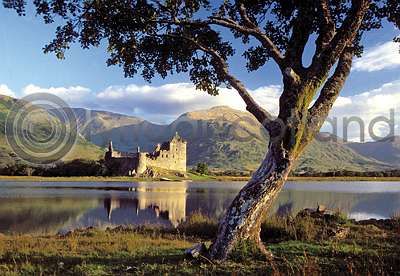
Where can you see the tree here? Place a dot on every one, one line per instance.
(202, 168)
(161, 37)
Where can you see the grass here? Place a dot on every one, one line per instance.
(198, 225)
(367, 249)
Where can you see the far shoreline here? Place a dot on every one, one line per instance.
(191, 178)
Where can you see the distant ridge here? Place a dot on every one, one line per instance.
(215, 136)
(386, 150)
(224, 138)
(95, 121)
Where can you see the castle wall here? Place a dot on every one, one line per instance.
(172, 159)
(142, 163)
(121, 165)
(171, 156)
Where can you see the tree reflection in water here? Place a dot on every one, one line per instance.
(166, 204)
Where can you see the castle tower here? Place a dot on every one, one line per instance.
(109, 154)
(141, 163)
(179, 145)
(110, 146)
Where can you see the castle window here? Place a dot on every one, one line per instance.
(167, 155)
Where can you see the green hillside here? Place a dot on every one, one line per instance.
(83, 149)
(228, 139)
(224, 138)
(386, 150)
(337, 156)
(91, 122)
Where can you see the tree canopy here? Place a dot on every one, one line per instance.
(172, 36)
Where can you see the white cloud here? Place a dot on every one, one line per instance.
(75, 96)
(159, 104)
(342, 101)
(384, 56)
(5, 90)
(164, 103)
(368, 106)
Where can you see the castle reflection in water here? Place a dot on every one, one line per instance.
(48, 210)
(161, 207)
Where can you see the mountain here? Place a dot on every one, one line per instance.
(222, 137)
(41, 123)
(229, 139)
(214, 136)
(324, 155)
(91, 122)
(386, 150)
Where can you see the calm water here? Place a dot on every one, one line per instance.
(57, 207)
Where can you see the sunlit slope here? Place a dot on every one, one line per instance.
(229, 139)
(224, 138)
(336, 155)
(83, 149)
(91, 122)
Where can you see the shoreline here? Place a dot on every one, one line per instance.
(190, 179)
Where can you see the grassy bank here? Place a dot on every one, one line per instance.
(301, 245)
(191, 177)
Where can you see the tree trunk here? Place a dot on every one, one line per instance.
(242, 220)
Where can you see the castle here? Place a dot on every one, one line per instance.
(144, 208)
(169, 155)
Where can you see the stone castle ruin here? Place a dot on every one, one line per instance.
(169, 155)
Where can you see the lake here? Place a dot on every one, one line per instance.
(57, 207)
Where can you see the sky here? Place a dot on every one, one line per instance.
(84, 80)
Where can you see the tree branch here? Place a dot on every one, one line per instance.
(322, 62)
(262, 37)
(243, 14)
(256, 33)
(249, 28)
(263, 116)
(330, 91)
(327, 27)
(251, 105)
(301, 32)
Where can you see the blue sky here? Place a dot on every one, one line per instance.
(84, 80)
